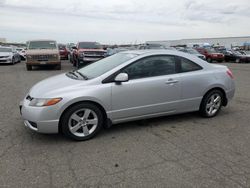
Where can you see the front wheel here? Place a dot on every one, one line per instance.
(58, 67)
(28, 67)
(82, 121)
(211, 103)
(209, 60)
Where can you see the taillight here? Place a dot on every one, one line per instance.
(230, 74)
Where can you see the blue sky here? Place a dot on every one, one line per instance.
(122, 21)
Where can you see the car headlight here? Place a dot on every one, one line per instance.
(29, 56)
(55, 55)
(81, 54)
(44, 102)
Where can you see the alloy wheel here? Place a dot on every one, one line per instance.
(83, 122)
(213, 104)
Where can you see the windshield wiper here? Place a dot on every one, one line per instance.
(82, 75)
(73, 73)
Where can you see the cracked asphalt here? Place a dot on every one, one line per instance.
(175, 151)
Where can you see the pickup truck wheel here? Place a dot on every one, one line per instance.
(209, 60)
(29, 67)
(58, 67)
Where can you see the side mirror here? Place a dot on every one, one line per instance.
(122, 77)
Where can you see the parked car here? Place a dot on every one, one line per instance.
(87, 52)
(211, 55)
(236, 56)
(193, 51)
(126, 86)
(9, 55)
(42, 52)
(64, 53)
(22, 53)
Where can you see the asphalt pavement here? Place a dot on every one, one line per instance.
(176, 151)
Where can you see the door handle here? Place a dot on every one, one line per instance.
(171, 81)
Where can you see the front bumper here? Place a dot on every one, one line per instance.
(39, 119)
(5, 60)
(38, 63)
(90, 59)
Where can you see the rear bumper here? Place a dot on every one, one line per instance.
(230, 94)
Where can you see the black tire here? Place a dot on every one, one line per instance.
(58, 67)
(13, 61)
(28, 67)
(64, 123)
(209, 60)
(205, 101)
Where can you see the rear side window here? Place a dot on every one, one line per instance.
(151, 66)
(188, 66)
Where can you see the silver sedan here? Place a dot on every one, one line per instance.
(124, 87)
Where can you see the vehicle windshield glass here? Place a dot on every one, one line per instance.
(61, 47)
(236, 52)
(104, 65)
(89, 45)
(155, 46)
(211, 50)
(5, 49)
(42, 45)
(192, 51)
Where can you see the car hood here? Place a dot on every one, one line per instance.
(55, 86)
(42, 51)
(5, 53)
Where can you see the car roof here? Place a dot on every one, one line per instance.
(154, 52)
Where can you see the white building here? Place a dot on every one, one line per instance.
(3, 40)
(224, 41)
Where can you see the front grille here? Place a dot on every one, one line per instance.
(43, 57)
(4, 56)
(3, 60)
(98, 54)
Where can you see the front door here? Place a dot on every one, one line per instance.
(153, 88)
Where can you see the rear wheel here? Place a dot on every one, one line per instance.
(211, 103)
(28, 67)
(58, 67)
(82, 121)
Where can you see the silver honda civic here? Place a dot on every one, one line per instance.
(125, 87)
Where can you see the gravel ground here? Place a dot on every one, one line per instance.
(175, 151)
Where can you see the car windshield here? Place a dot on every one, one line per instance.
(5, 49)
(236, 53)
(191, 51)
(61, 47)
(104, 65)
(211, 50)
(89, 45)
(42, 45)
(154, 46)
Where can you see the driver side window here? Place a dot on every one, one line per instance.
(151, 66)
